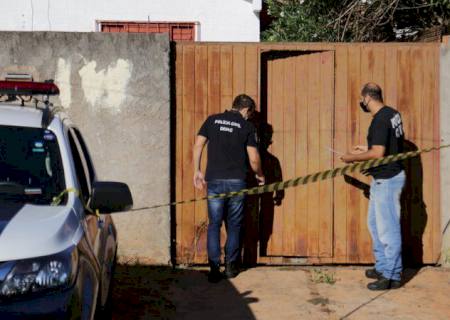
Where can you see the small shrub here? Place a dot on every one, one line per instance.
(322, 276)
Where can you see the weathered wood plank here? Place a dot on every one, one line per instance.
(288, 130)
(251, 73)
(340, 144)
(353, 127)
(276, 102)
(214, 79)
(188, 210)
(326, 157)
(301, 142)
(226, 76)
(314, 95)
(238, 70)
(201, 113)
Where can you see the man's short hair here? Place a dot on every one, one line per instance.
(243, 101)
(372, 90)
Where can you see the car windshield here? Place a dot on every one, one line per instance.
(31, 169)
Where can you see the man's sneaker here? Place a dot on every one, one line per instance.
(214, 274)
(373, 274)
(231, 270)
(384, 284)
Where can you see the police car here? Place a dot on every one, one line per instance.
(57, 240)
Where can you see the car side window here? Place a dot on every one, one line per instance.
(81, 167)
(86, 154)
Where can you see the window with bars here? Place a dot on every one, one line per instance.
(177, 31)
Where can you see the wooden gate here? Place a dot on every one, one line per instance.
(310, 97)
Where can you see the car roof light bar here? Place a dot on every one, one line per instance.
(22, 88)
(18, 77)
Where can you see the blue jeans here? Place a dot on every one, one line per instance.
(232, 211)
(384, 224)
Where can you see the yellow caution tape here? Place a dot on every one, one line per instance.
(57, 200)
(310, 178)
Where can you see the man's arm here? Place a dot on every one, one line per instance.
(255, 163)
(375, 152)
(199, 179)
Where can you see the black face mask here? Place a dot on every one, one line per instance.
(363, 106)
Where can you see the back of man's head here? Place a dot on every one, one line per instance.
(372, 90)
(243, 101)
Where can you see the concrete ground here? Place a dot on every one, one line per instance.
(143, 292)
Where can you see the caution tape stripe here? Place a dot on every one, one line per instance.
(57, 200)
(310, 178)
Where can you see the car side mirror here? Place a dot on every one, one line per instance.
(109, 197)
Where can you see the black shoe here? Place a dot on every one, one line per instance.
(214, 274)
(231, 270)
(384, 284)
(373, 274)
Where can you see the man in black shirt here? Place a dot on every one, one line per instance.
(232, 144)
(385, 138)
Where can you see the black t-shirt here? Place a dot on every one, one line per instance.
(228, 136)
(386, 130)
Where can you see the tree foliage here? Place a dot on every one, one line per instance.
(354, 20)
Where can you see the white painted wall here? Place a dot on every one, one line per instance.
(219, 20)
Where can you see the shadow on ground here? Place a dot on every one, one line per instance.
(149, 292)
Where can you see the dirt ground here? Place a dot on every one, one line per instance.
(143, 292)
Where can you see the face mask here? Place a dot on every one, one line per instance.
(247, 115)
(363, 106)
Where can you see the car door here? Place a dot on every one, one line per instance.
(86, 176)
(100, 229)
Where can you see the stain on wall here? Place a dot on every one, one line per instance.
(106, 88)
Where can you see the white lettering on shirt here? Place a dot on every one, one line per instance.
(397, 125)
(226, 129)
(228, 123)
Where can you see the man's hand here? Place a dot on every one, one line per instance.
(255, 163)
(277, 200)
(199, 180)
(359, 149)
(261, 179)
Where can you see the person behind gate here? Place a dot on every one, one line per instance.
(232, 145)
(385, 137)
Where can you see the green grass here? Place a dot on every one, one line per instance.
(323, 276)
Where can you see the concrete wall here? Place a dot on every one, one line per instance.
(445, 154)
(218, 20)
(116, 88)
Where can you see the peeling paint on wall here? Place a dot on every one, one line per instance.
(106, 88)
(62, 80)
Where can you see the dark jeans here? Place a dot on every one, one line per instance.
(232, 211)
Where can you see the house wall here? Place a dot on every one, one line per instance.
(115, 87)
(445, 154)
(218, 20)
